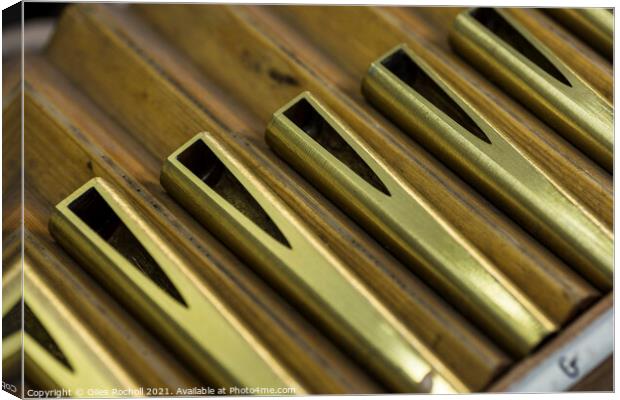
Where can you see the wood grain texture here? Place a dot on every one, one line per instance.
(601, 379)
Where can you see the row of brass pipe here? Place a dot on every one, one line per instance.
(117, 243)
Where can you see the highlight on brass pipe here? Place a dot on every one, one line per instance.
(221, 191)
(594, 25)
(57, 353)
(331, 156)
(12, 328)
(410, 92)
(505, 52)
(81, 347)
(117, 243)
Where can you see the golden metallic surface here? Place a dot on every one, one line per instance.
(77, 362)
(459, 347)
(208, 178)
(75, 338)
(537, 77)
(594, 25)
(11, 299)
(11, 354)
(125, 251)
(335, 159)
(410, 92)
